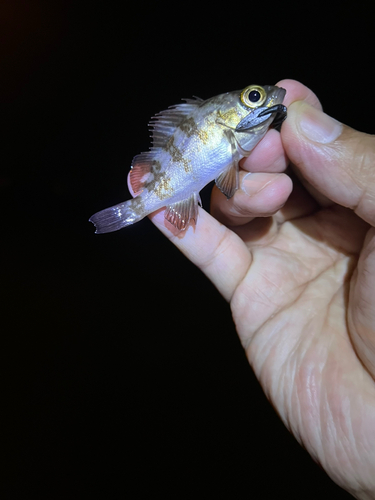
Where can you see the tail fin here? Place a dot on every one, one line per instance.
(115, 218)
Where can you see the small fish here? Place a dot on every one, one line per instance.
(194, 143)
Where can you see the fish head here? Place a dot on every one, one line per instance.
(262, 105)
(251, 111)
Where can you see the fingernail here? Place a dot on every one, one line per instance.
(252, 183)
(318, 126)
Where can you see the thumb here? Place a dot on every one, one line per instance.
(335, 159)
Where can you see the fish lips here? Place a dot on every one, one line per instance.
(260, 115)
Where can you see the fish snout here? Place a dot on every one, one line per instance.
(278, 95)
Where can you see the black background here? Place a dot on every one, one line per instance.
(122, 373)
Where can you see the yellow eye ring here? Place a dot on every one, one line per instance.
(253, 96)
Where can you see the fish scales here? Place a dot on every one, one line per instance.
(194, 143)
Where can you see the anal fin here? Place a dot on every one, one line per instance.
(181, 213)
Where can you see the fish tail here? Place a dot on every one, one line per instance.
(116, 217)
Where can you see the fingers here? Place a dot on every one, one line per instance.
(216, 250)
(268, 156)
(260, 195)
(335, 159)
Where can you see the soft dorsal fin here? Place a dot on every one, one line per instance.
(165, 123)
(143, 165)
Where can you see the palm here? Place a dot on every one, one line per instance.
(288, 285)
(291, 312)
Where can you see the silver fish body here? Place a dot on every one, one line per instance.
(194, 143)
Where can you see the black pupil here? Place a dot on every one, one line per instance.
(254, 96)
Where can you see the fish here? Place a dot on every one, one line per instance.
(194, 143)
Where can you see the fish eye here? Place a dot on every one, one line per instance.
(253, 96)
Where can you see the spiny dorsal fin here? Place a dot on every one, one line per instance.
(181, 213)
(163, 126)
(165, 123)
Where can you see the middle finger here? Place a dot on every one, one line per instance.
(260, 195)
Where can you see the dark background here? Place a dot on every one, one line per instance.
(122, 375)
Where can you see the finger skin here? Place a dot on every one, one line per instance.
(341, 166)
(296, 91)
(361, 316)
(268, 156)
(260, 195)
(213, 248)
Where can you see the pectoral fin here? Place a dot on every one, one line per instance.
(181, 213)
(228, 181)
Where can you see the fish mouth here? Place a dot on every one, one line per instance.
(280, 112)
(261, 114)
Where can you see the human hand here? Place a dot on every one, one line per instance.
(297, 264)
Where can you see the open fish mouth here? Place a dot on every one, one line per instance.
(260, 115)
(280, 114)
